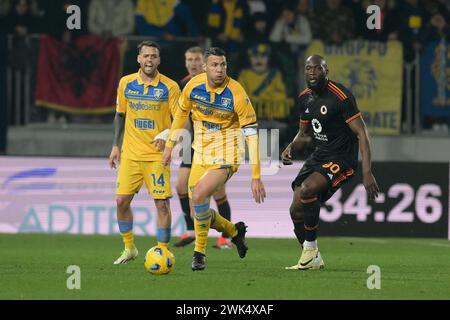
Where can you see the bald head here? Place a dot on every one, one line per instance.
(316, 72)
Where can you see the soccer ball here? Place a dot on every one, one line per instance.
(159, 260)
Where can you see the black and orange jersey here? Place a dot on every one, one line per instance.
(329, 112)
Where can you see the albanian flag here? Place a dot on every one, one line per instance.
(78, 77)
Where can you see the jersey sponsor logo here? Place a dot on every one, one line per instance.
(199, 97)
(212, 112)
(144, 106)
(317, 127)
(133, 92)
(323, 110)
(212, 126)
(144, 124)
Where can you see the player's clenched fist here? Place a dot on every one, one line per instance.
(286, 156)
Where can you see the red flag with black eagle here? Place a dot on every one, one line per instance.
(78, 77)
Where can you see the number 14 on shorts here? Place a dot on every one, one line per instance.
(159, 180)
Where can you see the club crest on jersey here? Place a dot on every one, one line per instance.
(226, 102)
(158, 93)
(323, 110)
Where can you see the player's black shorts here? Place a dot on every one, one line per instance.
(188, 165)
(336, 170)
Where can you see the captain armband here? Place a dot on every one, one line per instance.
(249, 131)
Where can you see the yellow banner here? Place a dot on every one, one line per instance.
(372, 71)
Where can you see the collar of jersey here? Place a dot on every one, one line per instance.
(154, 82)
(220, 89)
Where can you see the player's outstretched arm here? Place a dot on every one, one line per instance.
(359, 128)
(119, 125)
(251, 137)
(302, 139)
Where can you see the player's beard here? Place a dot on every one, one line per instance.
(319, 85)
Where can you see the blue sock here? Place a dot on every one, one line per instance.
(163, 235)
(125, 226)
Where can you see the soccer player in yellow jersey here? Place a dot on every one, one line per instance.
(194, 65)
(146, 100)
(220, 108)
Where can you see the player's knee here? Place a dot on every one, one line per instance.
(198, 195)
(123, 203)
(306, 191)
(162, 206)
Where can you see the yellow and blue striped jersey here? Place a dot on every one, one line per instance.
(217, 114)
(148, 109)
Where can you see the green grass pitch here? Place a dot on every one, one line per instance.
(33, 266)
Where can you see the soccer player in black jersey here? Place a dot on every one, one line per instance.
(329, 116)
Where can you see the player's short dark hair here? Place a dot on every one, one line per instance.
(148, 43)
(195, 49)
(214, 51)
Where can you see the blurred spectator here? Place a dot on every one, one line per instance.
(437, 28)
(111, 17)
(410, 17)
(226, 27)
(292, 28)
(165, 19)
(442, 6)
(255, 6)
(199, 10)
(5, 7)
(258, 29)
(20, 21)
(265, 88)
(333, 23)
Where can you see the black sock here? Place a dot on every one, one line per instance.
(224, 210)
(184, 200)
(299, 230)
(311, 210)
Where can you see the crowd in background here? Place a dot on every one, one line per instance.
(260, 36)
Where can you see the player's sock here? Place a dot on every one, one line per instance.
(202, 223)
(311, 244)
(184, 201)
(163, 236)
(224, 209)
(311, 207)
(223, 225)
(126, 231)
(299, 230)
